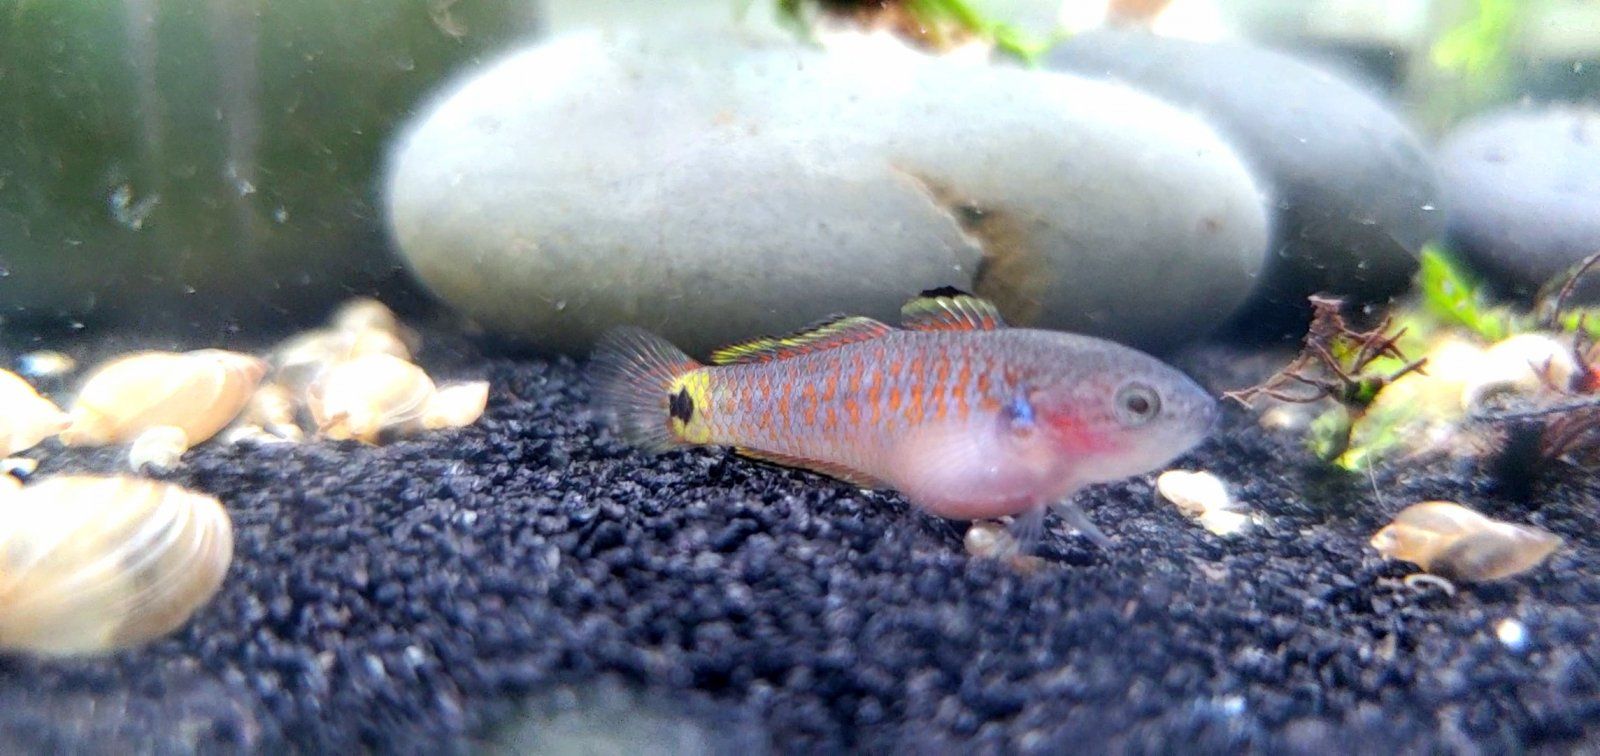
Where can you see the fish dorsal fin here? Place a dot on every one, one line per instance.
(828, 333)
(853, 477)
(950, 309)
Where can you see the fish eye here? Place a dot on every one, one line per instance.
(1137, 404)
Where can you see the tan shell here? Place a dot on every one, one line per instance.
(25, 417)
(161, 448)
(272, 410)
(456, 406)
(1451, 540)
(301, 361)
(365, 314)
(200, 392)
(91, 564)
(367, 396)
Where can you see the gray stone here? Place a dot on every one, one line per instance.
(1354, 190)
(1523, 190)
(716, 186)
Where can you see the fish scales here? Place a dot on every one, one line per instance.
(965, 417)
(835, 406)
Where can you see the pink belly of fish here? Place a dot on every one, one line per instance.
(965, 473)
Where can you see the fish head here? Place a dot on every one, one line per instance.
(1110, 412)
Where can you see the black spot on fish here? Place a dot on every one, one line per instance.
(681, 406)
(944, 291)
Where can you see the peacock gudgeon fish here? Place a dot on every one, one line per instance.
(967, 418)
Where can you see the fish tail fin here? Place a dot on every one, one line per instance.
(634, 372)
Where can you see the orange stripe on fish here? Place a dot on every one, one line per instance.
(967, 418)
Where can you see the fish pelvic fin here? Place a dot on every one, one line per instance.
(648, 384)
(828, 333)
(950, 309)
(853, 477)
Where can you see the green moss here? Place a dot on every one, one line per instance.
(1448, 293)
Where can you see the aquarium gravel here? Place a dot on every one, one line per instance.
(447, 592)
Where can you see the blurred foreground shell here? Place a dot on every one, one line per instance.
(91, 564)
(25, 417)
(1450, 540)
(200, 392)
(369, 396)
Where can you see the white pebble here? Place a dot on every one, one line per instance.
(1513, 634)
(1194, 493)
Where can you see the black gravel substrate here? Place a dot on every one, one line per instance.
(426, 595)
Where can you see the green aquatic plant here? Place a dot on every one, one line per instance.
(939, 24)
(1479, 46)
(1449, 294)
(1451, 313)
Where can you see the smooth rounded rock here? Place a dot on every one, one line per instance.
(713, 187)
(1354, 190)
(1523, 189)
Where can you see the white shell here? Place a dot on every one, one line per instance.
(1454, 541)
(161, 448)
(367, 396)
(90, 564)
(25, 417)
(456, 406)
(200, 392)
(1204, 497)
(1525, 363)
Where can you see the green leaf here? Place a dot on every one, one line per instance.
(1450, 294)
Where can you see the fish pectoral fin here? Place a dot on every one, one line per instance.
(1079, 520)
(950, 309)
(828, 333)
(848, 475)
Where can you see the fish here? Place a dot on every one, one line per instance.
(965, 417)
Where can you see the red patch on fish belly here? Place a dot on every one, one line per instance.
(967, 471)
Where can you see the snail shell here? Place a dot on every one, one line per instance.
(368, 314)
(456, 406)
(199, 392)
(272, 411)
(91, 564)
(370, 395)
(301, 361)
(1451, 540)
(25, 417)
(161, 448)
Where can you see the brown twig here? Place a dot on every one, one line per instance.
(1552, 317)
(1319, 368)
